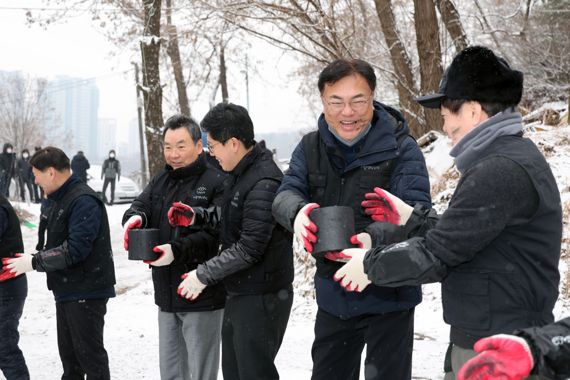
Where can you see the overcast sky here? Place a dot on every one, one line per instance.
(76, 48)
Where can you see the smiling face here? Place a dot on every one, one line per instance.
(179, 148)
(46, 179)
(347, 106)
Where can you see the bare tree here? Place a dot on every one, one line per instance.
(177, 67)
(23, 107)
(429, 51)
(402, 63)
(450, 17)
(151, 88)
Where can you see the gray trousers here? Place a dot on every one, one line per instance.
(460, 356)
(189, 344)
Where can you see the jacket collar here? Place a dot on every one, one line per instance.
(195, 168)
(59, 193)
(251, 156)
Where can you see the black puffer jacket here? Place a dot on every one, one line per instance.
(197, 185)
(257, 255)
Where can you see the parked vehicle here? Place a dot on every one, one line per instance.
(125, 190)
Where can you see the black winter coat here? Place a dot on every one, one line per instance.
(495, 249)
(257, 254)
(10, 244)
(79, 166)
(197, 185)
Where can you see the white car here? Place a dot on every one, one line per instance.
(125, 190)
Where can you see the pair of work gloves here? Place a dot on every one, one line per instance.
(381, 206)
(179, 215)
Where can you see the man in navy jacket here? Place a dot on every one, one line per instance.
(78, 262)
(360, 144)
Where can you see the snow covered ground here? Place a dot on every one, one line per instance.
(131, 333)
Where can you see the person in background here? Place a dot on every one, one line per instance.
(79, 166)
(360, 144)
(13, 292)
(110, 170)
(7, 168)
(25, 176)
(78, 261)
(496, 248)
(538, 350)
(38, 192)
(255, 264)
(189, 331)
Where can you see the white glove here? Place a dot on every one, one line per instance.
(304, 228)
(166, 256)
(382, 206)
(351, 276)
(134, 221)
(362, 240)
(191, 287)
(21, 264)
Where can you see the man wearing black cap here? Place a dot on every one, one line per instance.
(496, 248)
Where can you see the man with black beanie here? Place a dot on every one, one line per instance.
(497, 246)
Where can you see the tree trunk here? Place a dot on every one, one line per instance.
(429, 51)
(223, 74)
(152, 90)
(403, 67)
(450, 17)
(174, 54)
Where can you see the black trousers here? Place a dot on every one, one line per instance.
(80, 339)
(106, 182)
(23, 185)
(12, 361)
(338, 344)
(252, 333)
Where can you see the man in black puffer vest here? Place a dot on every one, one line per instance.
(78, 261)
(256, 261)
(360, 144)
(496, 248)
(190, 179)
(13, 292)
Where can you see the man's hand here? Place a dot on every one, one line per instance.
(16, 266)
(304, 228)
(180, 214)
(166, 256)
(385, 207)
(501, 356)
(351, 276)
(191, 287)
(134, 221)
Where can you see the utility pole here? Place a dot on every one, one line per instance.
(141, 130)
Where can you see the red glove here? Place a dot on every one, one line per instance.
(385, 207)
(180, 214)
(304, 227)
(134, 221)
(362, 240)
(502, 356)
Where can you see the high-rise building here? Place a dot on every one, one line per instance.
(74, 103)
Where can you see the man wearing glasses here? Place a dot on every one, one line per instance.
(360, 144)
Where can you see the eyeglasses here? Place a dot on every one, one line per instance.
(356, 105)
(213, 146)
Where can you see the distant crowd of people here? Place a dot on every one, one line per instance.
(225, 219)
(20, 170)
